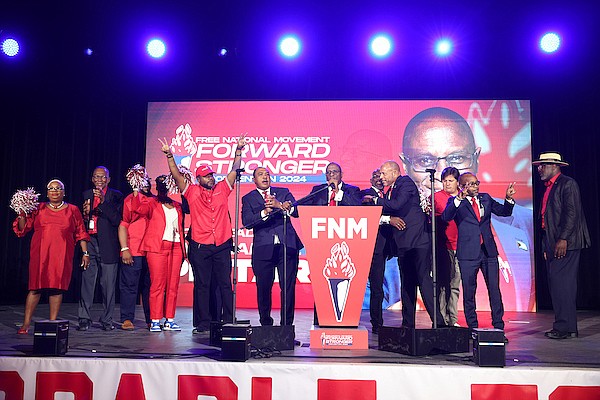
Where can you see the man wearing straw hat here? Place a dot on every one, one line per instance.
(564, 234)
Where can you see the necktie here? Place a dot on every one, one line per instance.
(476, 208)
(332, 198)
(380, 194)
(265, 194)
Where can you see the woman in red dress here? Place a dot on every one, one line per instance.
(163, 244)
(57, 226)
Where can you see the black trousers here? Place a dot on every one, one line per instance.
(491, 274)
(562, 282)
(211, 262)
(376, 278)
(264, 270)
(415, 271)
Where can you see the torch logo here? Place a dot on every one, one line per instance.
(339, 271)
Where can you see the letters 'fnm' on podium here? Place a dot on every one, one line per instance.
(339, 244)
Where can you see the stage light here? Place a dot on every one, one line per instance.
(550, 42)
(381, 46)
(88, 51)
(289, 46)
(223, 52)
(10, 47)
(443, 47)
(156, 48)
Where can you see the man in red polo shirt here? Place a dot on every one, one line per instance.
(211, 232)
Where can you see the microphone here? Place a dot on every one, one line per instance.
(332, 186)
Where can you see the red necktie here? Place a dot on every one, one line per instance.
(476, 209)
(478, 215)
(332, 198)
(545, 201)
(265, 194)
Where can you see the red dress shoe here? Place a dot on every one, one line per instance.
(22, 331)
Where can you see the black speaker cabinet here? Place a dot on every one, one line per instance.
(51, 338)
(273, 337)
(422, 342)
(488, 347)
(216, 331)
(235, 342)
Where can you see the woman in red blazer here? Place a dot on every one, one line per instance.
(163, 243)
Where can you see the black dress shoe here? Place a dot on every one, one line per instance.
(375, 329)
(107, 327)
(84, 325)
(553, 334)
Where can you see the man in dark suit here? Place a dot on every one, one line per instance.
(376, 189)
(263, 210)
(338, 193)
(476, 249)
(564, 234)
(404, 232)
(102, 211)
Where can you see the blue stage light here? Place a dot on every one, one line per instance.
(443, 47)
(381, 46)
(156, 48)
(223, 52)
(289, 47)
(550, 42)
(10, 47)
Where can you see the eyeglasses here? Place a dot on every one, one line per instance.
(474, 183)
(100, 177)
(420, 163)
(332, 172)
(55, 189)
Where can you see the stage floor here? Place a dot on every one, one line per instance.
(527, 347)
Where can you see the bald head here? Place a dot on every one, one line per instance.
(390, 171)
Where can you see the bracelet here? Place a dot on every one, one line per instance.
(238, 153)
(124, 248)
(169, 155)
(86, 254)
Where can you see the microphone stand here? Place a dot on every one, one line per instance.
(285, 216)
(238, 175)
(431, 172)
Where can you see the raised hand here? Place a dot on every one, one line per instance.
(165, 148)
(241, 141)
(510, 191)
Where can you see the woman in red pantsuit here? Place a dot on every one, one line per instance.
(56, 226)
(163, 243)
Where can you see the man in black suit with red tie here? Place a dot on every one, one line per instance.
(403, 231)
(102, 211)
(376, 189)
(564, 234)
(339, 193)
(262, 211)
(476, 248)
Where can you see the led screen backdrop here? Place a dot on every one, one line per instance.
(296, 140)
